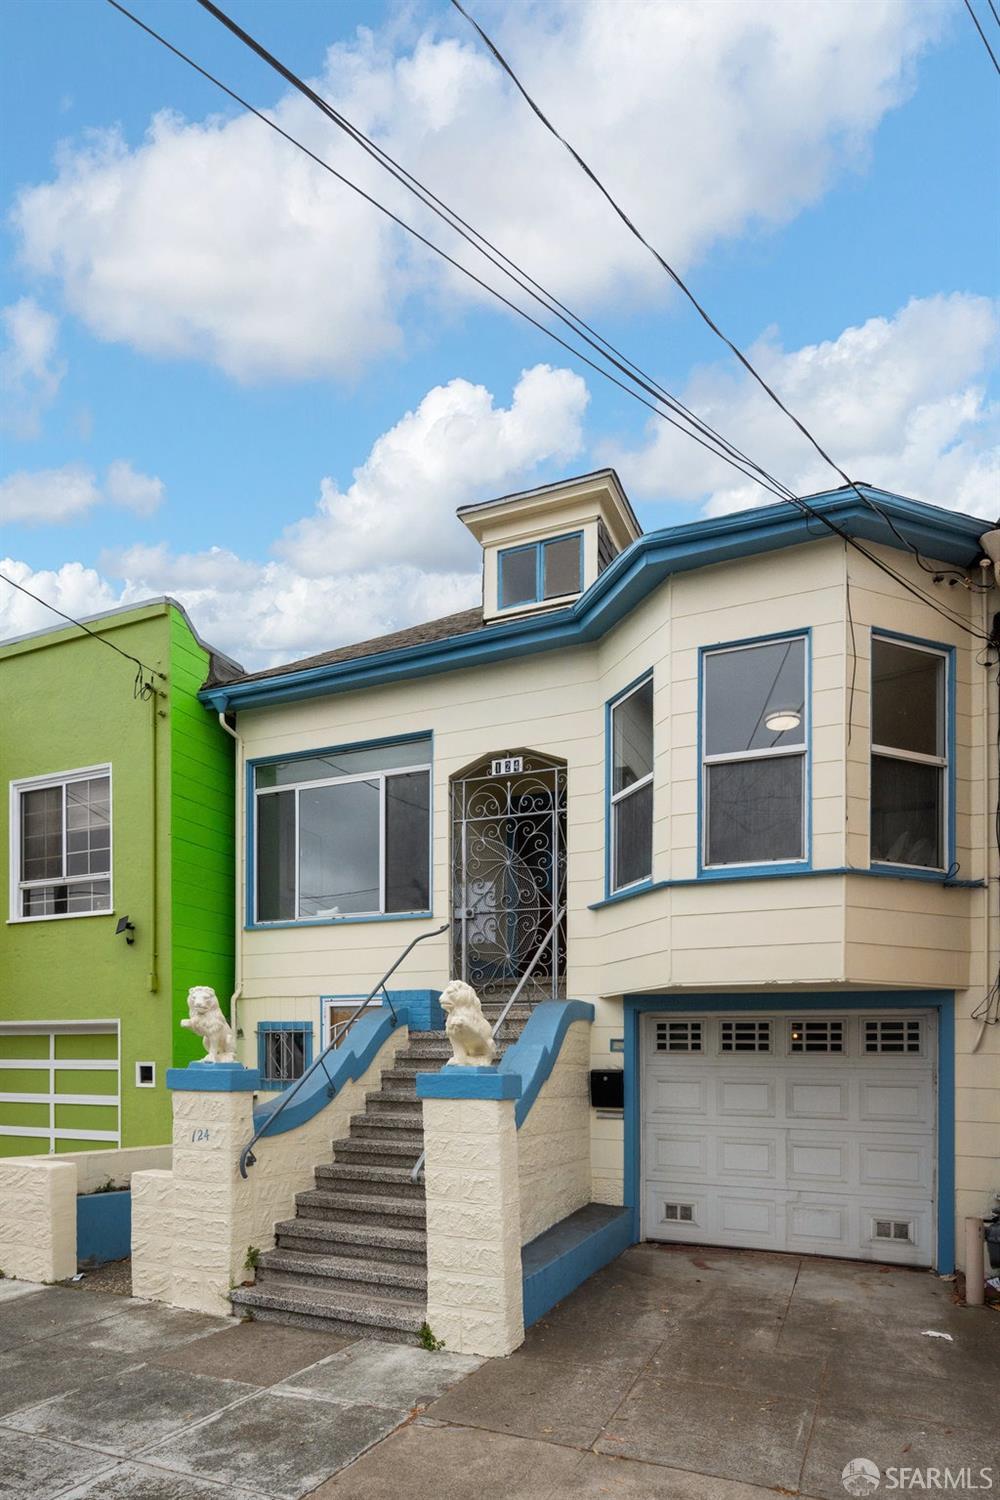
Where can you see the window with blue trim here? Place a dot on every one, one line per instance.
(344, 833)
(909, 768)
(542, 570)
(631, 810)
(754, 753)
(284, 1051)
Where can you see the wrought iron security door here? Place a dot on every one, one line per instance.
(509, 876)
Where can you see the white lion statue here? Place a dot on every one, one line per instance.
(467, 1028)
(208, 1022)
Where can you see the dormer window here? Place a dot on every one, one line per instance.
(532, 574)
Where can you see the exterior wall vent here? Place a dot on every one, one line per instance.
(893, 1229)
(679, 1213)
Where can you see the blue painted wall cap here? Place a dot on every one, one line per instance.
(214, 1078)
(468, 1083)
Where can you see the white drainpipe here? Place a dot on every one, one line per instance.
(238, 947)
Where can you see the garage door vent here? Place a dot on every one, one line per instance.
(816, 1036)
(678, 1036)
(892, 1036)
(893, 1229)
(679, 1213)
(746, 1036)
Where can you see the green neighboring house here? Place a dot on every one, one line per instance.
(120, 874)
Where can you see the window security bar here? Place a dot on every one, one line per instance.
(419, 1164)
(247, 1157)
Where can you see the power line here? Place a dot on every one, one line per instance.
(975, 22)
(996, 13)
(682, 285)
(80, 626)
(510, 268)
(775, 486)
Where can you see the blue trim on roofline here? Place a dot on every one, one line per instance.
(942, 1001)
(943, 535)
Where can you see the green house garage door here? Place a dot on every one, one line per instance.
(59, 1087)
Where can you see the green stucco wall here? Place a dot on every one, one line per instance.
(67, 702)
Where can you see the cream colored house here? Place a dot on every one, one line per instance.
(734, 783)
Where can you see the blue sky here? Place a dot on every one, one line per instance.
(206, 339)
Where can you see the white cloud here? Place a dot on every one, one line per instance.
(707, 120)
(898, 402)
(125, 486)
(457, 445)
(72, 588)
(30, 370)
(385, 553)
(46, 497)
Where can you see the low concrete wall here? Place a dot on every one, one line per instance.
(38, 1218)
(95, 1168)
(553, 1144)
(202, 1222)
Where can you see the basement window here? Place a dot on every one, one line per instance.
(284, 1051)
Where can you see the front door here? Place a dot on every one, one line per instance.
(509, 876)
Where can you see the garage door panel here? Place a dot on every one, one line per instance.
(830, 1155)
(893, 1098)
(671, 1093)
(895, 1162)
(745, 1096)
(818, 1158)
(817, 1097)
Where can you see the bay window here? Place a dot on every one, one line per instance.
(754, 753)
(631, 821)
(344, 833)
(909, 755)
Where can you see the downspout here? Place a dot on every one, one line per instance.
(153, 979)
(988, 821)
(239, 845)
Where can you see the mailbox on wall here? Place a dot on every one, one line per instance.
(607, 1088)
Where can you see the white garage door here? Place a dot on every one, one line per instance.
(812, 1133)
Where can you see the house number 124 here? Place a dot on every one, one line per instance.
(200, 1134)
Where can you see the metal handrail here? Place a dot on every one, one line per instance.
(247, 1158)
(504, 1013)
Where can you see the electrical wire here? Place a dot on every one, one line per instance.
(996, 13)
(686, 290)
(497, 257)
(975, 22)
(776, 487)
(141, 689)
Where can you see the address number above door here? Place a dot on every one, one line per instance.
(513, 765)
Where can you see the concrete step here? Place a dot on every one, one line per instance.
(367, 1241)
(404, 1283)
(359, 1208)
(387, 1182)
(389, 1126)
(403, 1079)
(349, 1315)
(393, 1151)
(426, 1038)
(394, 1101)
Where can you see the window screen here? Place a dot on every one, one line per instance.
(909, 755)
(632, 787)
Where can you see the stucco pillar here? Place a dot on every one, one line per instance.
(37, 1219)
(210, 1202)
(152, 1234)
(474, 1280)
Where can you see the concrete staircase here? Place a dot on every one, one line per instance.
(353, 1261)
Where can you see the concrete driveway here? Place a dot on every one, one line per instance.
(675, 1373)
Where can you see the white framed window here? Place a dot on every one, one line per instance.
(344, 833)
(145, 1075)
(630, 832)
(754, 752)
(337, 1012)
(60, 845)
(909, 755)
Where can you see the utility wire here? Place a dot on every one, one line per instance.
(776, 486)
(468, 232)
(996, 13)
(683, 287)
(552, 304)
(975, 22)
(80, 626)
